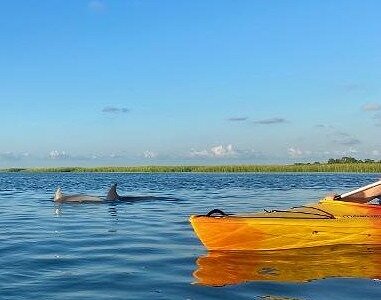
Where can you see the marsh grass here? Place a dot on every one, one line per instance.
(374, 167)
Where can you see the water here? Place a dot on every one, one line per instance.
(147, 249)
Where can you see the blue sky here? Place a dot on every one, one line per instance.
(187, 82)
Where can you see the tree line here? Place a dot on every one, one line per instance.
(351, 160)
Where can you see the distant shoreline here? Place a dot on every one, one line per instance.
(309, 168)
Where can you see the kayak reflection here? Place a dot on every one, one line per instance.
(218, 268)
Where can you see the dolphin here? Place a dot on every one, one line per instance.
(60, 197)
(112, 195)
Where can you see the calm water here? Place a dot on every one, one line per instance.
(147, 249)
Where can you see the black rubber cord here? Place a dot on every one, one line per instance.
(216, 213)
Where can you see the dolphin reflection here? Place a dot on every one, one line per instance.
(219, 268)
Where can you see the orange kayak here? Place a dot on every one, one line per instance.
(328, 222)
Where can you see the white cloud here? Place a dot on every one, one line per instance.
(149, 154)
(201, 153)
(295, 152)
(376, 152)
(11, 156)
(220, 150)
(216, 151)
(56, 155)
(371, 107)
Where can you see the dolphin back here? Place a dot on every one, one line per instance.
(60, 197)
(81, 198)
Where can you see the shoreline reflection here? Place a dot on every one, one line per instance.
(219, 268)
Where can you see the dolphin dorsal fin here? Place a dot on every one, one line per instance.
(58, 194)
(112, 194)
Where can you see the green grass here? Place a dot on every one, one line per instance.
(321, 167)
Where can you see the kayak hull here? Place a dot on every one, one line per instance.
(234, 233)
(347, 225)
